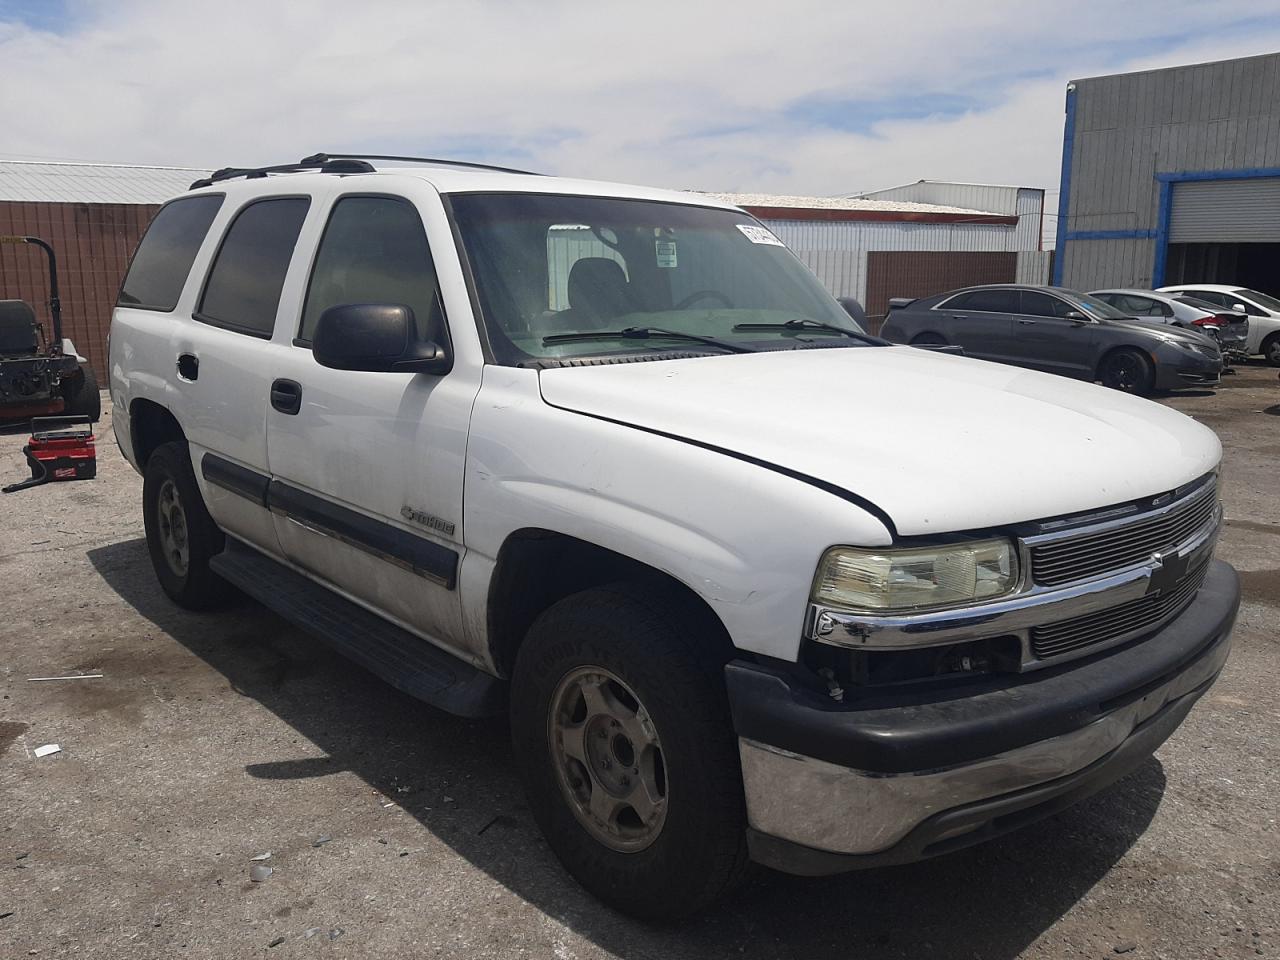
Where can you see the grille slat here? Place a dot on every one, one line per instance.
(1092, 554)
(1054, 639)
(1172, 534)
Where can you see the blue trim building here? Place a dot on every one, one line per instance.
(1171, 176)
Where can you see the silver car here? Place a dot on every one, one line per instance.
(1229, 327)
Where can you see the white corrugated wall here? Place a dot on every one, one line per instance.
(837, 250)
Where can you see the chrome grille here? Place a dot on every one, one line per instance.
(1054, 639)
(1092, 554)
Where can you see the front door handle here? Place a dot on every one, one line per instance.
(1027, 323)
(286, 396)
(188, 366)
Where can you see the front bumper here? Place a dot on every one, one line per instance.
(1187, 370)
(833, 787)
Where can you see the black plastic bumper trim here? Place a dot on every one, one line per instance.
(939, 726)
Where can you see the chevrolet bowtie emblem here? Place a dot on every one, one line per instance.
(1167, 571)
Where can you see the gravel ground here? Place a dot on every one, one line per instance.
(213, 739)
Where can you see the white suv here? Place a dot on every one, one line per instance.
(750, 583)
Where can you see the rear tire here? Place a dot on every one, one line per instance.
(931, 339)
(181, 536)
(81, 397)
(1271, 349)
(620, 677)
(1128, 371)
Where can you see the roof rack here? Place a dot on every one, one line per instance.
(337, 163)
(328, 157)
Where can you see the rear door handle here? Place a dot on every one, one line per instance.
(188, 366)
(286, 396)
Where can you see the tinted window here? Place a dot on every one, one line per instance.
(243, 289)
(374, 250)
(1038, 304)
(990, 301)
(164, 257)
(1210, 296)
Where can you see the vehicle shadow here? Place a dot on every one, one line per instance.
(991, 901)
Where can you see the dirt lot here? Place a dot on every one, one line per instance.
(212, 739)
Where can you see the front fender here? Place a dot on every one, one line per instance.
(744, 538)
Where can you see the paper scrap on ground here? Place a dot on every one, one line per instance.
(78, 676)
(47, 749)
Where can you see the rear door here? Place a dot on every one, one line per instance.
(222, 361)
(367, 467)
(980, 321)
(1045, 338)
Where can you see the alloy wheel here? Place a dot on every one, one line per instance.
(608, 759)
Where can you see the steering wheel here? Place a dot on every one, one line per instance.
(702, 295)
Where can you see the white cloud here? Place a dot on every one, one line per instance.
(678, 94)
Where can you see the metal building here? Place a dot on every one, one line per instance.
(93, 215)
(1025, 203)
(1172, 176)
(874, 249)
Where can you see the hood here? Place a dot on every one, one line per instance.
(940, 443)
(1169, 330)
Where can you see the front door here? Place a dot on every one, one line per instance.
(367, 467)
(1047, 338)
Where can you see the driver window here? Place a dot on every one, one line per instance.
(1038, 304)
(374, 250)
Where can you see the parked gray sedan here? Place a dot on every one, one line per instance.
(1058, 331)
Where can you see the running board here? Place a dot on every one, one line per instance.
(403, 660)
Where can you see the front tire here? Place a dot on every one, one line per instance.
(1271, 349)
(1127, 371)
(181, 536)
(621, 730)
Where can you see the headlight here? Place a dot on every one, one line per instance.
(917, 578)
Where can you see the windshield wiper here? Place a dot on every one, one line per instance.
(805, 323)
(644, 333)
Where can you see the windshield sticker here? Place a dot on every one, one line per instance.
(758, 234)
(666, 253)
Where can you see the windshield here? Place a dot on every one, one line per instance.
(1099, 309)
(1261, 299)
(565, 276)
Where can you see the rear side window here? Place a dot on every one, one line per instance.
(242, 292)
(986, 301)
(374, 250)
(160, 266)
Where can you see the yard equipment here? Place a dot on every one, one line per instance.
(61, 448)
(40, 372)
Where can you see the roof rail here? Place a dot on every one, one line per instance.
(322, 165)
(328, 157)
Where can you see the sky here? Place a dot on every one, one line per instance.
(798, 97)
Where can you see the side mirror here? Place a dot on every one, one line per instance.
(377, 337)
(1239, 308)
(1077, 318)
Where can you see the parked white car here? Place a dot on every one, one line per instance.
(1263, 311)
(749, 583)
